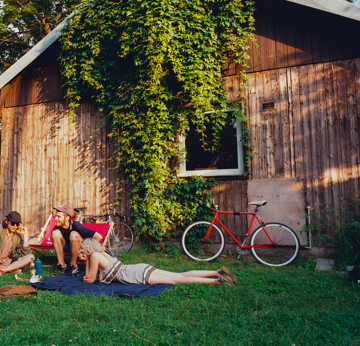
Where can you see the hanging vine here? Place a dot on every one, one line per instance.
(246, 135)
(153, 68)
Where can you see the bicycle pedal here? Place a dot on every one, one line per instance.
(116, 240)
(240, 251)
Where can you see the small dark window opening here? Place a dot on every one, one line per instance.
(268, 106)
(224, 156)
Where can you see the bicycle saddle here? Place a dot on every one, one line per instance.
(78, 209)
(259, 204)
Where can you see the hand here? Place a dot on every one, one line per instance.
(98, 236)
(87, 280)
(82, 256)
(22, 230)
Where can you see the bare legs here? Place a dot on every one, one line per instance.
(59, 243)
(202, 276)
(75, 243)
(20, 263)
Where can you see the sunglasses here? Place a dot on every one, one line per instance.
(14, 223)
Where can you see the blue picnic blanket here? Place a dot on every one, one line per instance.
(67, 284)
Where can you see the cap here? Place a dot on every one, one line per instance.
(13, 216)
(66, 209)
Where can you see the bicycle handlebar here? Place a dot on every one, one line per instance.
(112, 211)
(79, 209)
(122, 217)
(109, 213)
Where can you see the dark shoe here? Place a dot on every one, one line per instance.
(73, 270)
(222, 280)
(228, 274)
(60, 269)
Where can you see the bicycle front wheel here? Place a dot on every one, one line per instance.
(285, 250)
(199, 250)
(121, 238)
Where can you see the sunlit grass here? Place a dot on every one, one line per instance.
(282, 306)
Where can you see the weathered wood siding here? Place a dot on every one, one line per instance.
(48, 160)
(311, 73)
(39, 82)
(289, 34)
(231, 195)
(313, 131)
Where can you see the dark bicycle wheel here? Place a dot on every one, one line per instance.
(121, 238)
(196, 248)
(285, 250)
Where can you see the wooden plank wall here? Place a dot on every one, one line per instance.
(47, 161)
(289, 34)
(313, 131)
(231, 195)
(38, 82)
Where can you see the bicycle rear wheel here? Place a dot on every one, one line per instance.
(199, 250)
(121, 238)
(285, 250)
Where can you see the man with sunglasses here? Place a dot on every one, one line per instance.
(67, 236)
(14, 237)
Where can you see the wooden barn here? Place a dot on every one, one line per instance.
(303, 103)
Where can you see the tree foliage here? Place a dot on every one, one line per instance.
(153, 67)
(25, 22)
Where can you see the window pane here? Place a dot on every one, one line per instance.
(222, 157)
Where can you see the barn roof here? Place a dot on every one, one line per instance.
(338, 7)
(31, 55)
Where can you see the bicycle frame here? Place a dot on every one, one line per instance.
(243, 246)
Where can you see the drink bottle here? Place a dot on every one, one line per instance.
(32, 269)
(38, 267)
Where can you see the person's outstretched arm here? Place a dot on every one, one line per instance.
(92, 268)
(85, 258)
(87, 268)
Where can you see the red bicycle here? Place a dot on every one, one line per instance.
(272, 244)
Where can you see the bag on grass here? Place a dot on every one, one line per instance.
(355, 274)
(11, 291)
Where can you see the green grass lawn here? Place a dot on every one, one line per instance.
(286, 306)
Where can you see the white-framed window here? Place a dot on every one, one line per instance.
(227, 159)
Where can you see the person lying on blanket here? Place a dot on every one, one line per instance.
(14, 237)
(67, 236)
(100, 266)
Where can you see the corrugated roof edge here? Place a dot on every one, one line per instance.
(32, 54)
(338, 7)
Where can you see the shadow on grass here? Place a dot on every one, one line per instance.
(281, 306)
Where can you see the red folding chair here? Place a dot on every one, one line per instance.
(46, 244)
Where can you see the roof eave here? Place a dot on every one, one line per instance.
(31, 55)
(338, 7)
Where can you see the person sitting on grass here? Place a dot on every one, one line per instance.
(100, 266)
(14, 237)
(67, 236)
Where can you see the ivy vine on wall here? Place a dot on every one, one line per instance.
(153, 67)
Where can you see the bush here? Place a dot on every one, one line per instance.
(346, 229)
